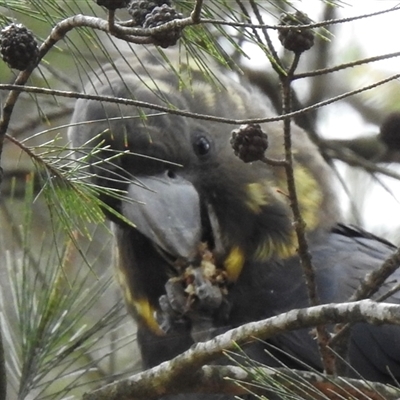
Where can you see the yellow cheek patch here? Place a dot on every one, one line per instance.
(237, 98)
(140, 307)
(234, 263)
(146, 313)
(310, 196)
(257, 196)
(205, 94)
(281, 249)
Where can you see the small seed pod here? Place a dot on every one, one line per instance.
(159, 16)
(138, 9)
(18, 46)
(113, 4)
(296, 39)
(249, 142)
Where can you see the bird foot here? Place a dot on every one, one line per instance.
(194, 300)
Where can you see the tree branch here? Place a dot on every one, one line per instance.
(163, 379)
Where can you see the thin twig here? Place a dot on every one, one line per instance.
(143, 104)
(111, 21)
(321, 48)
(287, 27)
(246, 15)
(352, 159)
(275, 60)
(395, 289)
(341, 67)
(369, 286)
(36, 157)
(375, 279)
(196, 13)
(328, 359)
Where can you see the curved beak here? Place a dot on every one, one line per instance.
(166, 209)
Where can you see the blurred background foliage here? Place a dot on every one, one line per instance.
(64, 326)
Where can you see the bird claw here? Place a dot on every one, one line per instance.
(200, 304)
(209, 296)
(175, 297)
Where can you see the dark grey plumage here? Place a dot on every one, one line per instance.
(199, 191)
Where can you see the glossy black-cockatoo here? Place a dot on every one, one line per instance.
(206, 241)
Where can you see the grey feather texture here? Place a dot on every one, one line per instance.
(240, 211)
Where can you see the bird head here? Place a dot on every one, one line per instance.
(182, 184)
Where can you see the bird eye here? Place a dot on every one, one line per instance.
(171, 174)
(201, 146)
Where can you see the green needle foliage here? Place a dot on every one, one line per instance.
(64, 328)
(57, 338)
